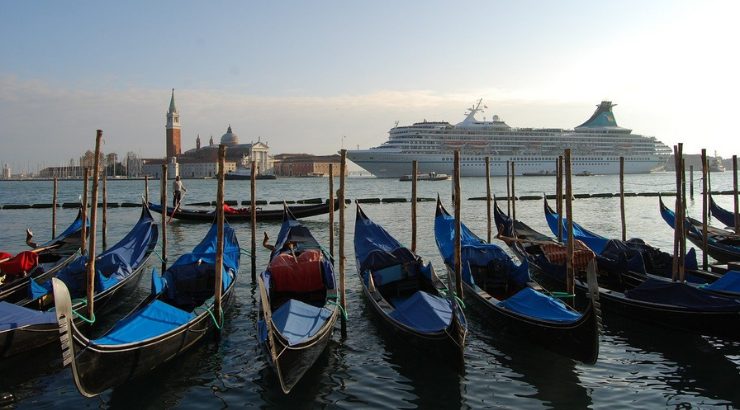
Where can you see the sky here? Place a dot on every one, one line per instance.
(319, 76)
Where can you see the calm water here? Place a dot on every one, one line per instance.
(639, 366)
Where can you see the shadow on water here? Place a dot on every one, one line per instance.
(694, 365)
(549, 378)
(425, 381)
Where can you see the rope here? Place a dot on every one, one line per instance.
(344, 313)
(445, 293)
(218, 326)
(159, 256)
(74, 301)
(245, 252)
(562, 295)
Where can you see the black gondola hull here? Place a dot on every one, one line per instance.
(262, 215)
(578, 340)
(29, 339)
(447, 345)
(292, 362)
(94, 362)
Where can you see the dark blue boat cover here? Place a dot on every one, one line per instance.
(155, 319)
(729, 282)
(424, 312)
(377, 250)
(203, 257)
(474, 250)
(531, 303)
(13, 316)
(381, 259)
(296, 321)
(370, 237)
(680, 294)
(634, 255)
(111, 266)
(594, 241)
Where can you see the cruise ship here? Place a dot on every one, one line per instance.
(595, 145)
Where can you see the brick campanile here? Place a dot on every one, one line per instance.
(173, 130)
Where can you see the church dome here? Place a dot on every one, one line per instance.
(229, 138)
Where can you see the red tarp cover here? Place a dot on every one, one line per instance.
(23, 262)
(230, 210)
(291, 276)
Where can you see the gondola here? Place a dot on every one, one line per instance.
(506, 296)
(407, 294)
(179, 311)
(634, 260)
(245, 214)
(723, 215)
(654, 301)
(50, 257)
(298, 302)
(27, 325)
(722, 245)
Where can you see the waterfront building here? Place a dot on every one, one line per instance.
(307, 165)
(202, 161)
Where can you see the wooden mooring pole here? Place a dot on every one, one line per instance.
(458, 228)
(217, 290)
(414, 171)
(253, 207)
(342, 258)
(93, 222)
(163, 226)
(488, 198)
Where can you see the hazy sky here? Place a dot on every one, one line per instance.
(313, 76)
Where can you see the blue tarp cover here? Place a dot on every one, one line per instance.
(475, 251)
(594, 241)
(14, 316)
(680, 294)
(424, 312)
(160, 317)
(156, 319)
(296, 321)
(729, 282)
(531, 303)
(111, 266)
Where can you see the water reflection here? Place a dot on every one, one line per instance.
(688, 364)
(425, 381)
(549, 378)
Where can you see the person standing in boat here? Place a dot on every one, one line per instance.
(177, 190)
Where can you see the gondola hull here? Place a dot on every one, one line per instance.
(181, 310)
(446, 345)
(575, 336)
(61, 251)
(577, 340)
(294, 361)
(723, 322)
(28, 339)
(94, 362)
(296, 321)
(132, 252)
(722, 245)
(262, 215)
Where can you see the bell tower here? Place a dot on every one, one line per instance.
(173, 130)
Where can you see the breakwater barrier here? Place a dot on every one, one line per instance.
(372, 200)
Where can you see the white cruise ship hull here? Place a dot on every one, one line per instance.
(596, 148)
(398, 164)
